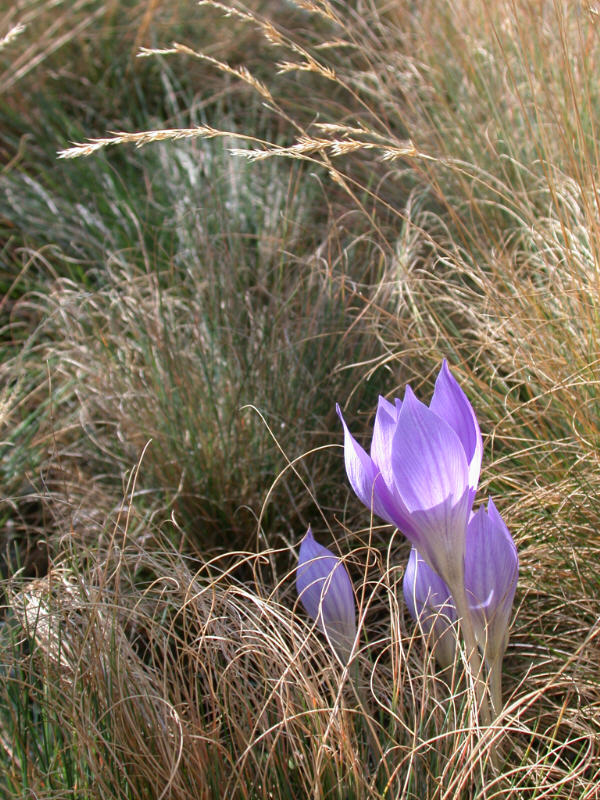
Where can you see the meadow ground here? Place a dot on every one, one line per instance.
(259, 211)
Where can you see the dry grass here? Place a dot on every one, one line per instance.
(182, 679)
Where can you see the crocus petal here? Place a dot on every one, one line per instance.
(428, 459)
(365, 476)
(491, 573)
(425, 590)
(440, 534)
(325, 590)
(429, 601)
(451, 404)
(431, 480)
(383, 435)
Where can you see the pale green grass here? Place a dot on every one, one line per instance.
(199, 332)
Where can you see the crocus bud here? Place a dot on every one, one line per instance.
(326, 593)
(430, 604)
(422, 473)
(491, 573)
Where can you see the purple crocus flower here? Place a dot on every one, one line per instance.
(326, 593)
(430, 603)
(491, 572)
(422, 472)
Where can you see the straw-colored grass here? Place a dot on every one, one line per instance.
(329, 200)
(166, 677)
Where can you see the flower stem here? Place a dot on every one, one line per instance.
(473, 657)
(495, 673)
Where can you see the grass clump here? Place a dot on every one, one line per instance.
(186, 343)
